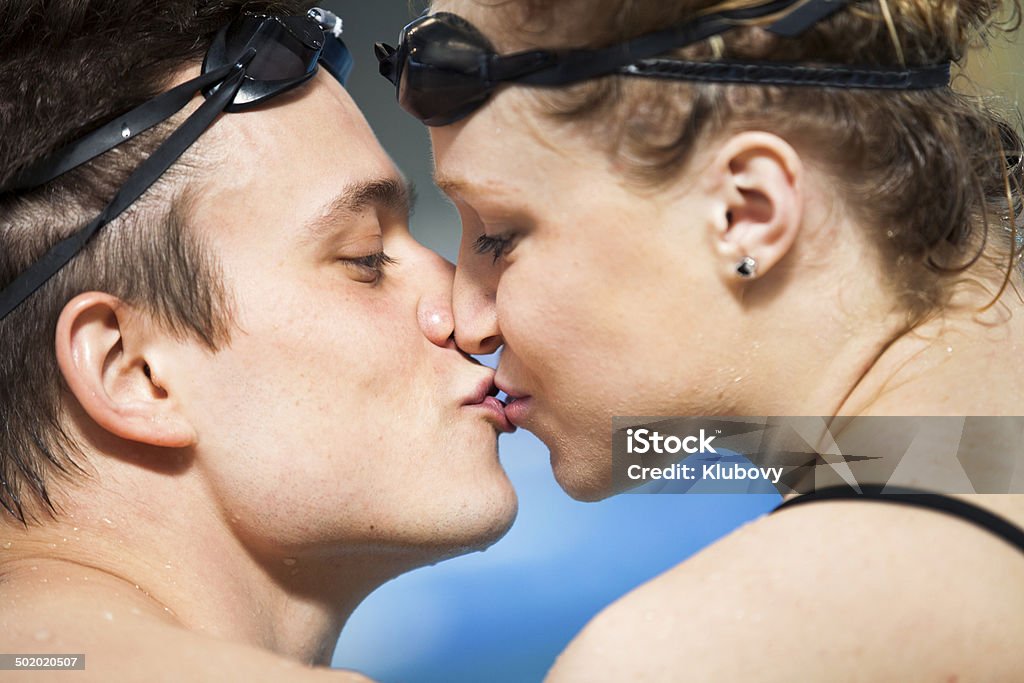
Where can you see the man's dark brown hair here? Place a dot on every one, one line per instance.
(66, 68)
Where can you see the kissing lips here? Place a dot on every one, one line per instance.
(497, 409)
(485, 398)
(517, 408)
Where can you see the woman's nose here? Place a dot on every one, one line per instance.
(476, 318)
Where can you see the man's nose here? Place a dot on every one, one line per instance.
(434, 309)
(476, 317)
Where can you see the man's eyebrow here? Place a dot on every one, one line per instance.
(392, 194)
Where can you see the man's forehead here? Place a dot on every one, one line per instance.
(308, 154)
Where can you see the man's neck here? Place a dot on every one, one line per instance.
(204, 581)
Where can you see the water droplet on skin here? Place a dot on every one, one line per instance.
(126, 132)
(890, 234)
(289, 561)
(136, 611)
(949, 349)
(75, 529)
(7, 544)
(107, 521)
(42, 634)
(51, 546)
(108, 616)
(168, 566)
(33, 567)
(738, 379)
(45, 580)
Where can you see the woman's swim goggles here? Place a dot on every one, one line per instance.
(251, 60)
(444, 69)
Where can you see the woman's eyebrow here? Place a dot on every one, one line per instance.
(451, 186)
(458, 186)
(393, 194)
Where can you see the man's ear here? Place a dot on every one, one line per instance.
(759, 181)
(111, 358)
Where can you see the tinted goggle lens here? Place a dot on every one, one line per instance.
(439, 68)
(288, 51)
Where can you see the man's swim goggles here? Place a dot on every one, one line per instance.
(444, 69)
(250, 61)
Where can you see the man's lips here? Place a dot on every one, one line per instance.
(486, 399)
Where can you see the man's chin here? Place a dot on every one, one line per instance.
(472, 532)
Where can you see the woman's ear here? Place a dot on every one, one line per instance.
(759, 179)
(110, 355)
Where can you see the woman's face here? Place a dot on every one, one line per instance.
(596, 289)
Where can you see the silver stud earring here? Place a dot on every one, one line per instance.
(747, 267)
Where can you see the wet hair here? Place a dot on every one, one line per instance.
(66, 68)
(936, 174)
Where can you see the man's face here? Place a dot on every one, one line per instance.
(331, 420)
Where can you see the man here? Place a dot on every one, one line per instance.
(237, 409)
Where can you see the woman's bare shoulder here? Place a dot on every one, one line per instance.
(831, 591)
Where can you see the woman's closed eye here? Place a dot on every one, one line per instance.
(370, 268)
(496, 245)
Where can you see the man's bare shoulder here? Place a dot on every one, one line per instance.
(829, 592)
(138, 648)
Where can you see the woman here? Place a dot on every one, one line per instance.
(746, 208)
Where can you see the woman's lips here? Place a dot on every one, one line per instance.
(517, 404)
(517, 409)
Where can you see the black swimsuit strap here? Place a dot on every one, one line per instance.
(953, 506)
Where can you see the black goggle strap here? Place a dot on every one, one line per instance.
(336, 58)
(633, 58)
(148, 172)
(774, 73)
(805, 16)
(118, 131)
(568, 66)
